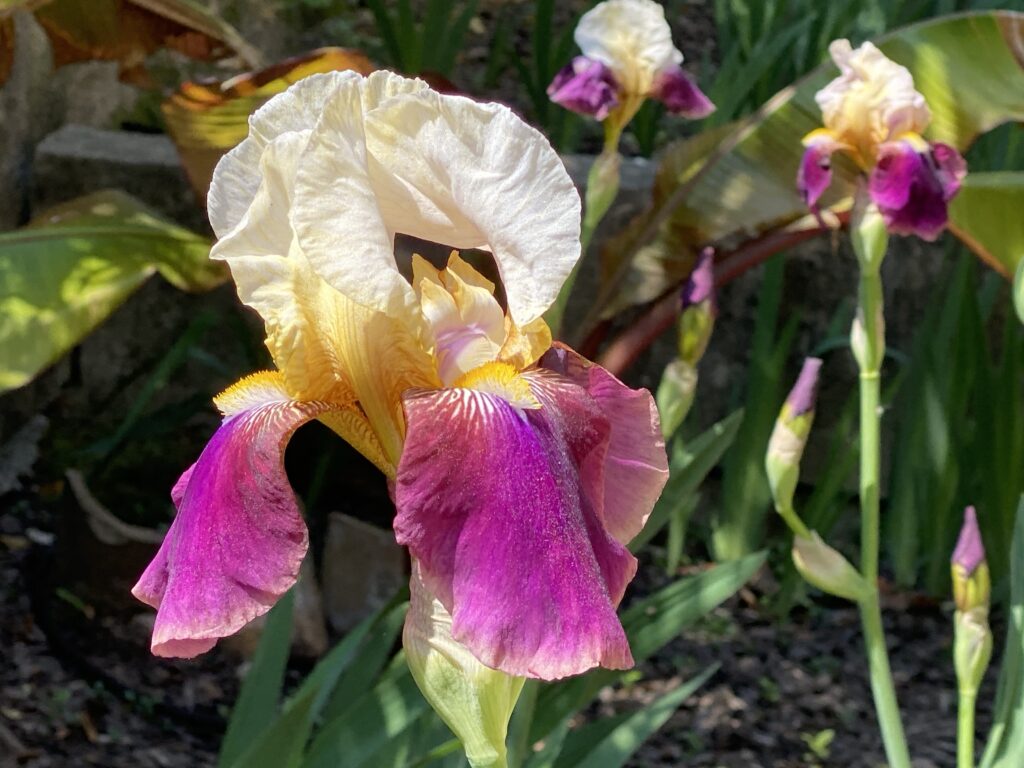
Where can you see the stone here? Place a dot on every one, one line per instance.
(78, 159)
(27, 112)
(363, 568)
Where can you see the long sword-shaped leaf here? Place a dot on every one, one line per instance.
(1006, 739)
(62, 275)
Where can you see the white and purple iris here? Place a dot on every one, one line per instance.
(518, 469)
(628, 56)
(873, 114)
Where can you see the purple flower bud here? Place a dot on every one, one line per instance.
(801, 398)
(677, 91)
(586, 86)
(970, 550)
(701, 284)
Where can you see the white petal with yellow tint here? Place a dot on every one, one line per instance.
(443, 169)
(632, 38)
(237, 176)
(872, 101)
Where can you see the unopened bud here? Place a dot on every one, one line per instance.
(827, 569)
(475, 701)
(675, 395)
(972, 586)
(789, 438)
(972, 648)
(698, 309)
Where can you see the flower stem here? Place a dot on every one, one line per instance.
(869, 353)
(965, 730)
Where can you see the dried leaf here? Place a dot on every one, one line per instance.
(126, 31)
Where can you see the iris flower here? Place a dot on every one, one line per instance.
(518, 469)
(628, 56)
(873, 114)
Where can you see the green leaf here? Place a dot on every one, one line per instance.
(650, 624)
(986, 215)
(1006, 739)
(740, 190)
(281, 745)
(689, 466)
(69, 269)
(261, 691)
(375, 720)
(610, 743)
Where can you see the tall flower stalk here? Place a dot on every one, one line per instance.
(874, 115)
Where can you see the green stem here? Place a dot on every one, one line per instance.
(870, 357)
(965, 730)
(792, 519)
(602, 187)
(522, 721)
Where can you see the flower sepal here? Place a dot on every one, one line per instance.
(475, 701)
(825, 568)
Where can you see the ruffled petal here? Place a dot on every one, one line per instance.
(631, 37)
(502, 508)
(238, 539)
(815, 172)
(635, 465)
(912, 184)
(586, 86)
(677, 91)
(441, 168)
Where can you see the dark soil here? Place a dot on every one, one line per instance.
(79, 688)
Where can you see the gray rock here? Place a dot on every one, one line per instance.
(93, 94)
(79, 159)
(363, 568)
(27, 112)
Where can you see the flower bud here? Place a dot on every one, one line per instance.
(698, 309)
(786, 446)
(827, 569)
(868, 233)
(475, 701)
(972, 648)
(971, 581)
(675, 395)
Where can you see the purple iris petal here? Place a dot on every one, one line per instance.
(801, 398)
(505, 511)
(912, 188)
(970, 550)
(238, 539)
(677, 91)
(586, 86)
(635, 467)
(815, 173)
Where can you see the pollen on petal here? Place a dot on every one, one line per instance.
(503, 380)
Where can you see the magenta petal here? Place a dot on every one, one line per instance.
(238, 539)
(635, 467)
(677, 91)
(586, 86)
(501, 507)
(912, 188)
(815, 173)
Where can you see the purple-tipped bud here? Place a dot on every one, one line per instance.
(701, 284)
(586, 86)
(970, 550)
(677, 91)
(801, 398)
